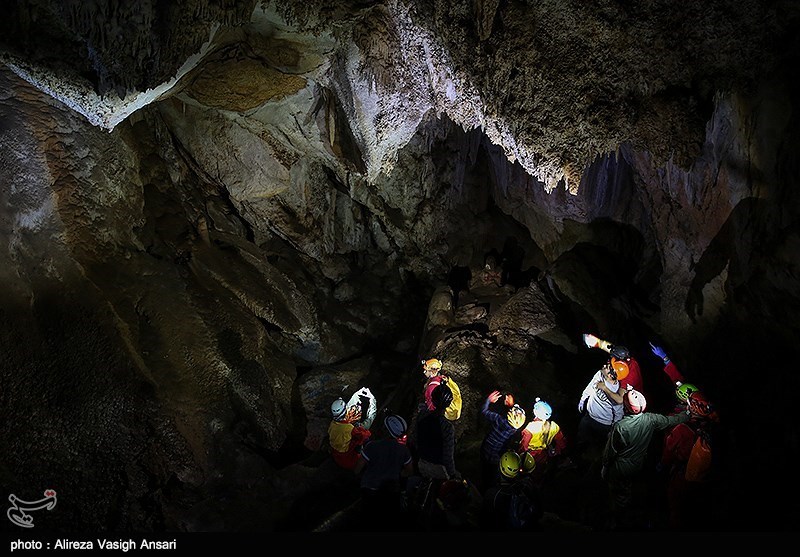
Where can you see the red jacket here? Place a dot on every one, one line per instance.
(678, 445)
(634, 377)
(349, 458)
(673, 373)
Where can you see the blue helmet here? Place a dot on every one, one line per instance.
(542, 410)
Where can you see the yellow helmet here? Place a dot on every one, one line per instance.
(432, 365)
(510, 463)
(516, 416)
(528, 463)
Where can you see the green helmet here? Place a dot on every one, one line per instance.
(510, 463)
(528, 463)
(683, 391)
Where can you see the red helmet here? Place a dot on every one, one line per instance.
(634, 402)
(699, 404)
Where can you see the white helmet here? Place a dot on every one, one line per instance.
(338, 408)
(542, 410)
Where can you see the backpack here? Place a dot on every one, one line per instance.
(513, 507)
(453, 412)
(520, 511)
(699, 462)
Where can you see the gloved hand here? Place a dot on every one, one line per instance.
(582, 405)
(658, 351)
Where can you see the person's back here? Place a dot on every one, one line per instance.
(431, 369)
(435, 376)
(435, 438)
(384, 465)
(514, 502)
(686, 459)
(502, 429)
(434, 434)
(626, 451)
(542, 438)
(345, 436)
(386, 459)
(630, 439)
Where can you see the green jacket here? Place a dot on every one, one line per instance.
(626, 448)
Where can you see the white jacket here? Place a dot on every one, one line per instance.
(600, 408)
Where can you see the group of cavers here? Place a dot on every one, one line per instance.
(408, 477)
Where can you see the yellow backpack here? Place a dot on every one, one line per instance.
(453, 412)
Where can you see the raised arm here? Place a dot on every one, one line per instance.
(669, 368)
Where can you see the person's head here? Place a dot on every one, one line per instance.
(609, 374)
(699, 405)
(510, 464)
(620, 352)
(338, 409)
(516, 416)
(441, 397)
(620, 360)
(633, 402)
(528, 463)
(542, 410)
(620, 368)
(396, 426)
(431, 367)
(683, 390)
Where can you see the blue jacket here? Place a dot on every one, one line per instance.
(494, 445)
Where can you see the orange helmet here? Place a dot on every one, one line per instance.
(620, 367)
